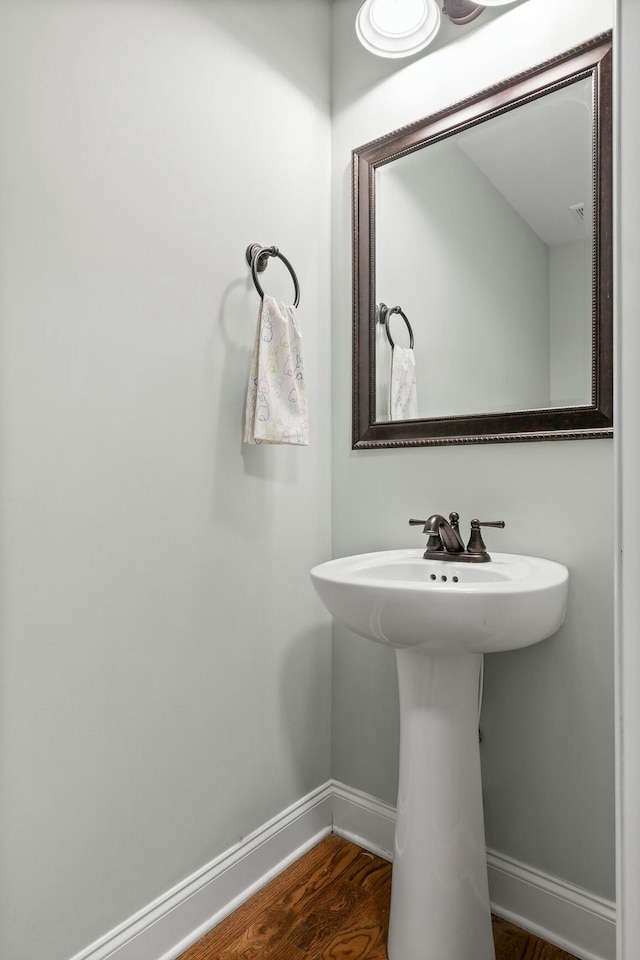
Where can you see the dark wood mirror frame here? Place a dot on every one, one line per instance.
(590, 60)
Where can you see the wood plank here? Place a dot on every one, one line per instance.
(365, 937)
(336, 911)
(295, 887)
(370, 872)
(512, 943)
(333, 904)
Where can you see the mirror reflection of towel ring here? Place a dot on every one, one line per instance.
(384, 314)
(258, 257)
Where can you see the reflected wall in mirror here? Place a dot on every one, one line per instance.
(488, 227)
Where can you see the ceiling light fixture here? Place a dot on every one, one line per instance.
(402, 28)
(397, 28)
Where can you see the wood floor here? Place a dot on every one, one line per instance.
(332, 904)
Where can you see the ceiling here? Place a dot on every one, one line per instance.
(539, 157)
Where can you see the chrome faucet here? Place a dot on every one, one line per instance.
(445, 542)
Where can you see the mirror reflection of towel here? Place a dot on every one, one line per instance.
(404, 400)
(277, 394)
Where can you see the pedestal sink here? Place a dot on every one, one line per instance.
(441, 617)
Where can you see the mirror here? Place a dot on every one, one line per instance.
(483, 240)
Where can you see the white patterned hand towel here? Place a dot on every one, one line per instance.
(404, 400)
(277, 394)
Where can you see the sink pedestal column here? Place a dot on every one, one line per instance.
(439, 893)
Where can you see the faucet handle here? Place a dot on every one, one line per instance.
(417, 523)
(476, 543)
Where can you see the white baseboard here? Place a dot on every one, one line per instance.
(557, 911)
(364, 820)
(575, 920)
(168, 926)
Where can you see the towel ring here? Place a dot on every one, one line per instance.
(385, 313)
(258, 258)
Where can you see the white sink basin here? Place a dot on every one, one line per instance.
(398, 598)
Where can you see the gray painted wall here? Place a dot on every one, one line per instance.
(548, 720)
(156, 704)
(165, 665)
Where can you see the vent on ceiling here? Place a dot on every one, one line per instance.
(577, 209)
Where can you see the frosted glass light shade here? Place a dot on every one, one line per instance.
(397, 28)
